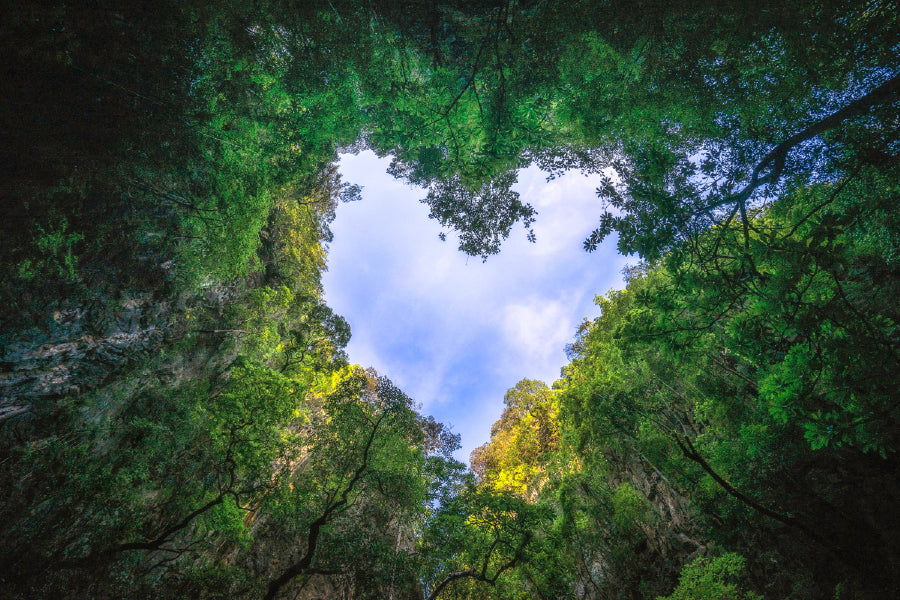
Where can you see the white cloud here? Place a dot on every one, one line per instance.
(535, 333)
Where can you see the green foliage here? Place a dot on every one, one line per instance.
(55, 250)
(521, 440)
(361, 489)
(629, 507)
(740, 378)
(712, 578)
(475, 539)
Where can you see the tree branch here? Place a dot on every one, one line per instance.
(776, 158)
(690, 452)
(482, 575)
(167, 534)
(302, 566)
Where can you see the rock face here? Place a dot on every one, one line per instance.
(77, 349)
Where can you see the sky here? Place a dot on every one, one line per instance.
(453, 332)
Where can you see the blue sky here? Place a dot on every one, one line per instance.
(452, 332)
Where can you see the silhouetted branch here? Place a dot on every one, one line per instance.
(769, 169)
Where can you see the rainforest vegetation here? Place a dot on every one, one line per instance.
(178, 416)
